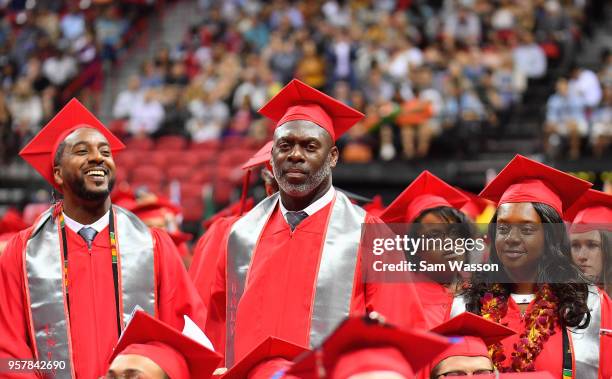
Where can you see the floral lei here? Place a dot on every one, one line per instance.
(539, 326)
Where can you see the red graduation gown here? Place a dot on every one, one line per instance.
(92, 301)
(279, 293)
(551, 357)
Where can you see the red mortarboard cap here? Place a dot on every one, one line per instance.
(155, 208)
(12, 221)
(425, 192)
(475, 205)
(594, 208)
(271, 347)
(299, 101)
(178, 355)
(262, 156)
(372, 359)
(375, 207)
(416, 347)
(525, 180)
(477, 333)
(40, 152)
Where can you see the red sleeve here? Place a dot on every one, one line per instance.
(176, 294)
(398, 302)
(14, 334)
(206, 255)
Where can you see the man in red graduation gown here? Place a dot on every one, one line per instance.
(69, 282)
(290, 267)
(152, 349)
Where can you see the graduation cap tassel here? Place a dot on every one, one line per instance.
(245, 189)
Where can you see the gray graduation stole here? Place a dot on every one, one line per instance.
(585, 342)
(48, 314)
(335, 275)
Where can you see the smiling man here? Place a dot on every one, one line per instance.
(69, 282)
(290, 267)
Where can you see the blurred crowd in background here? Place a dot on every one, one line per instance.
(449, 72)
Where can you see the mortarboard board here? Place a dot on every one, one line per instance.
(299, 101)
(525, 180)
(425, 192)
(261, 157)
(412, 348)
(271, 347)
(594, 208)
(178, 355)
(476, 332)
(40, 151)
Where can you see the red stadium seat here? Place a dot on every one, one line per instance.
(147, 173)
(206, 145)
(180, 172)
(203, 174)
(175, 143)
(184, 158)
(222, 191)
(193, 209)
(140, 143)
(128, 159)
(190, 190)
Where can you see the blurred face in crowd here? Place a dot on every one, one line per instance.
(562, 87)
(134, 366)
(461, 366)
(302, 157)
(519, 239)
(433, 226)
(85, 168)
(587, 253)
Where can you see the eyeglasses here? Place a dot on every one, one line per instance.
(452, 374)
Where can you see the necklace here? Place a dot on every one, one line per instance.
(540, 324)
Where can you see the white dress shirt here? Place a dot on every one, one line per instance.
(98, 226)
(316, 206)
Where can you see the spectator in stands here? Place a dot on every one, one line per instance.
(565, 117)
(26, 110)
(152, 75)
(282, 57)
(405, 56)
(6, 135)
(605, 74)
(462, 26)
(109, 29)
(73, 22)
(250, 87)
(311, 68)
(601, 135)
(529, 57)
(146, 115)
(208, 115)
(341, 54)
(585, 84)
(127, 98)
(61, 67)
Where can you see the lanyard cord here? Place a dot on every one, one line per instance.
(113, 245)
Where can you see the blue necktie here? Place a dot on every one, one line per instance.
(88, 234)
(294, 218)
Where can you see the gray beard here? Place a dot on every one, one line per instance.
(312, 182)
